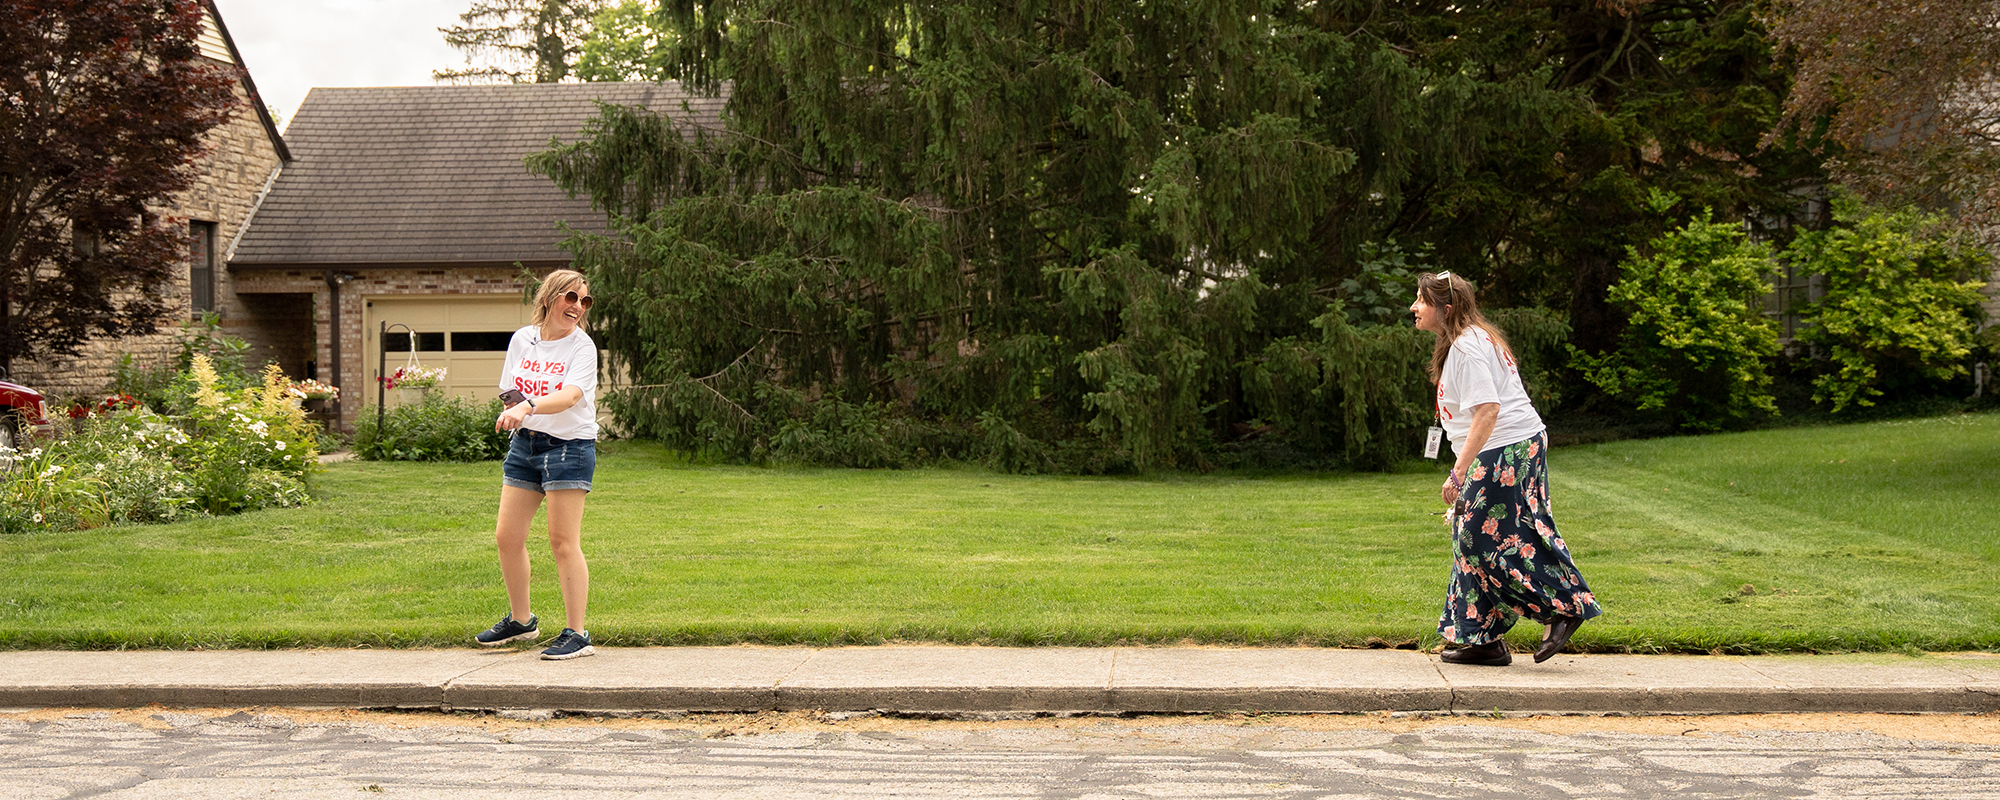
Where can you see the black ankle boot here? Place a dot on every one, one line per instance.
(1491, 654)
(1556, 637)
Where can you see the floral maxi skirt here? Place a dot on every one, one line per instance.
(1508, 561)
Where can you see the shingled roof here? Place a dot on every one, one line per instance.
(434, 173)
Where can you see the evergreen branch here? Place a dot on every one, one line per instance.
(725, 398)
(856, 48)
(732, 364)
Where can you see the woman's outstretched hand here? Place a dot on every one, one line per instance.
(512, 417)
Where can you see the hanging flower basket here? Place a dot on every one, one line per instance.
(413, 380)
(415, 377)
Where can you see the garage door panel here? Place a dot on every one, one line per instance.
(474, 331)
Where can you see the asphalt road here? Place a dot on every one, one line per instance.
(240, 753)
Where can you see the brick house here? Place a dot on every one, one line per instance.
(244, 157)
(411, 207)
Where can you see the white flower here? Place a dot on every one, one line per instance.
(38, 518)
(52, 471)
(258, 427)
(35, 453)
(241, 461)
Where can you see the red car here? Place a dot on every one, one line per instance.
(22, 411)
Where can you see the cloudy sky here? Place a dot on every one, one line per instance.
(292, 46)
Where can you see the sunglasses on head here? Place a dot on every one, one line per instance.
(571, 297)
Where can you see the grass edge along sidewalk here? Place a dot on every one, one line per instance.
(1853, 537)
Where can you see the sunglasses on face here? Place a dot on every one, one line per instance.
(571, 297)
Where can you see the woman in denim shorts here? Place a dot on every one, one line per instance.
(547, 383)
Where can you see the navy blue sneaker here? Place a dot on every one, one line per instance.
(507, 630)
(571, 644)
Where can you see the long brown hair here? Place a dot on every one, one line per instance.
(553, 286)
(1453, 295)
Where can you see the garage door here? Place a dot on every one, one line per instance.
(466, 335)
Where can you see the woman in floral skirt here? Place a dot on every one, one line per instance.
(1508, 561)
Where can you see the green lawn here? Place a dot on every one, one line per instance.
(1853, 537)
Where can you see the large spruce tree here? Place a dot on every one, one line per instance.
(1078, 235)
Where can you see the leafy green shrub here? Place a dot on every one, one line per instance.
(438, 429)
(234, 450)
(120, 453)
(228, 359)
(1901, 304)
(244, 449)
(1695, 348)
(169, 386)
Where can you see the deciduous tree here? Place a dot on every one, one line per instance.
(104, 105)
(628, 41)
(1908, 88)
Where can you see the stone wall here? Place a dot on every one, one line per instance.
(234, 173)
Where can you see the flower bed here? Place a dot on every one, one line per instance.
(232, 451)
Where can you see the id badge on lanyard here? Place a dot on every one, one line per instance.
(1431, 443)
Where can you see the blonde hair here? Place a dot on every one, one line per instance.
(1453, 295)
(554, 286)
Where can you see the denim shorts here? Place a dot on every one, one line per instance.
(542, 463)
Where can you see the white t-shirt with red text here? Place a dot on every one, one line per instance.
(540, 368)
(1476, 373)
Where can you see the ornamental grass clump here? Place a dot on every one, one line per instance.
(234, 450)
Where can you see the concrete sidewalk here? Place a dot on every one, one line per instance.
(944, 679)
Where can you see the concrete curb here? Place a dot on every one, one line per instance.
(922, 679)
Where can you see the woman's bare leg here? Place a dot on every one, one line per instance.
(510, 533)
(566, 541)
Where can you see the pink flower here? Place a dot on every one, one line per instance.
(1507, 477)
(1491, 528)
(1527, 551)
